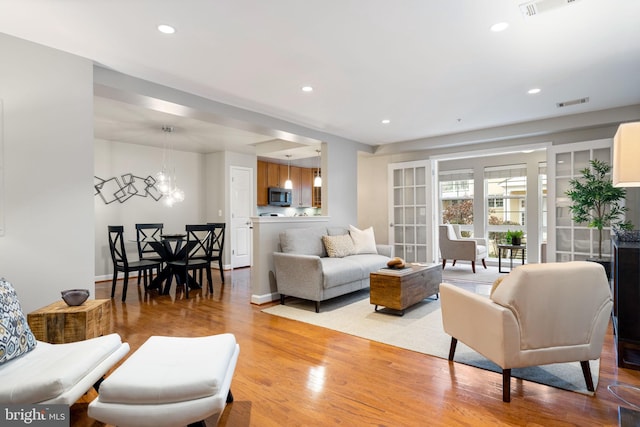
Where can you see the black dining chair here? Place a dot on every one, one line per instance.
(121, 263)
(199, 246)
(218, 247)
(145, 233)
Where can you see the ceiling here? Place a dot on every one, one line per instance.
(431, 67)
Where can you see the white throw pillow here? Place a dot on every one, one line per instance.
(363, 240)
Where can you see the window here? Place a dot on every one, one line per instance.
(456, 199)
(506, 193)
(496, 203)
(542, 185)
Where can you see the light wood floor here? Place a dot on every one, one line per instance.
(294, 374)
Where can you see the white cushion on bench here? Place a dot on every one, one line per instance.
(171, 369)
(169, 381)
(59, 373)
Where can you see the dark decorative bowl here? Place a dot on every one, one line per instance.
(75, 297)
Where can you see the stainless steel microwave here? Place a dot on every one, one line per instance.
(279, 196)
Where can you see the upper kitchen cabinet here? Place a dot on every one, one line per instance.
(306, 187)
(275, 175)
(262, 187)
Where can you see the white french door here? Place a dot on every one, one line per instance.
(568, 241)
(411, 211)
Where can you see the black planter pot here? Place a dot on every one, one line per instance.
(517, 241)
(606, 263)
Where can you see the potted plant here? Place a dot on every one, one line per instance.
(595, 201)
(515, 237)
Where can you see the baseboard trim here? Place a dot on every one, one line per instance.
(109, 277)
(266, 298)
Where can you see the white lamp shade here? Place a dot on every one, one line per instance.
(317, 181)
(288, 184)
(626, 155)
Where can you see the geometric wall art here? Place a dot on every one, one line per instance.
(123, 188)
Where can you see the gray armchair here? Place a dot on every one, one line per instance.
(454, 247)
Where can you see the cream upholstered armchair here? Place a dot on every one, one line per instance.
(455, 247)
(537, 315)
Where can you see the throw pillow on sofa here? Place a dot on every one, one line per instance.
(363, 240)
(339, 246)
(16, 337)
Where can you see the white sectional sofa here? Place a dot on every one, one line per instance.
(304, 269)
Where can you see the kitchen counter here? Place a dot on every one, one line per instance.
(280, 219)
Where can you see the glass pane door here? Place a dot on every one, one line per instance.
(409, 211)
(568, 240)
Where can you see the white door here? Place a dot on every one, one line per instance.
(566, 240)
(409, 211)
(241, 211)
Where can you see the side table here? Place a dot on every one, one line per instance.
(59, 323)
(513, 251)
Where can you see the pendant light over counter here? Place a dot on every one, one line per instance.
(317, 181)
(288, 184)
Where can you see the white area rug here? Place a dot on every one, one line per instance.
(420, 329)
(462, 271)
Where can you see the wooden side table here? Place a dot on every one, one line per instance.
(59, 323)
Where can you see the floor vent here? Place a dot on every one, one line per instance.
(572, 102)
(536, 7)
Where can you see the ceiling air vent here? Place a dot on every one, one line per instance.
(572, 102)
(536, 7)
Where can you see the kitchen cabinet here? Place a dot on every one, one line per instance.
(306, 187)
(275, 175)
(283, 175)
(626, 302)
(262, 187)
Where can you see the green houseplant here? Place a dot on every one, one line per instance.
(514, 237)
(595, 201)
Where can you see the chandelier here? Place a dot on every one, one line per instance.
(166, 178)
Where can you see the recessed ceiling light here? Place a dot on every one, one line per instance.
(533, 91)
(307, 89)
(386, 121)
(527, 151)
(166, 29)
(500, 26)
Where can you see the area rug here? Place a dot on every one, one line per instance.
(462, 271)
(420, 329)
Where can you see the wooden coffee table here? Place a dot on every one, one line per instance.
(400, 289)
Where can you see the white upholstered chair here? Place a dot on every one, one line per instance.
(538, 314)
(32, 371)
(455, 247)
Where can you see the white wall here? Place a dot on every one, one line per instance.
(116, 158)
(48, 168)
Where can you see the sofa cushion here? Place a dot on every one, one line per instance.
(303, 241)
(338, 271)
(339, 246)
(369, 263)
(16, 337)
(363, 240)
